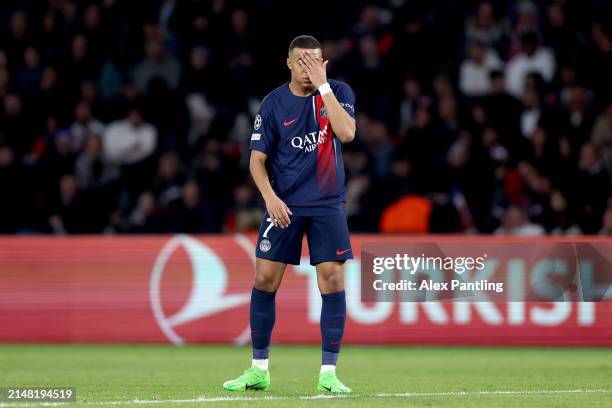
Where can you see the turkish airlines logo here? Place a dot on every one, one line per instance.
(209, 283)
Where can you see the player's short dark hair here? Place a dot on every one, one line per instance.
(306, 42)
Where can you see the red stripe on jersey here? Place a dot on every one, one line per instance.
(326, 160)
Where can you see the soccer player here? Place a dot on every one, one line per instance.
(299, 129)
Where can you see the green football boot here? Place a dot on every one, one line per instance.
(330, 383)
(252, 379)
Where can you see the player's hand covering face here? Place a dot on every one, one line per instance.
(315, 67)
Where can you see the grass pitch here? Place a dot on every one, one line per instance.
(166, 376)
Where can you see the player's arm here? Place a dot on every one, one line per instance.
(278, 210)
(341, 122)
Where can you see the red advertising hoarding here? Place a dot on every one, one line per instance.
(196, 289)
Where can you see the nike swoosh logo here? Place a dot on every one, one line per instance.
(249, 386)
(289, 122)
(339, 252)
(327, 388)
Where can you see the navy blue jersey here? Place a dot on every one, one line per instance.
(305, 155)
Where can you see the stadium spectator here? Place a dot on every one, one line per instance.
(533, 58)
(600, 58)
(11, 181)
(169, 180)
(483, 26)
(531, 114)
(601, 136)
(516, 223)
(56, 159)
(130, 144)
(408, 105)
(245, 213)
(144, 218)
(524, 16)
(563, 217)
(91, 170)
(158, 64)
(69, 212)
(30, 75)
(84, 125)
(591, 189)
(475, 71)
(502, 110)
(558, 33)
(193, 214)
(199, 82)
(130, 140)
(18, 130)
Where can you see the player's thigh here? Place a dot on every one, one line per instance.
(328, 239)
(278, 244)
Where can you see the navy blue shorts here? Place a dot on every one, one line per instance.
(328, 239)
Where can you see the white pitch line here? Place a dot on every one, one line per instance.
(310, 397)
(476, 393)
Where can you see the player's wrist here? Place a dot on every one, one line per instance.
(324, 88)
(268, 196)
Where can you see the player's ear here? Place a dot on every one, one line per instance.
(289, 63)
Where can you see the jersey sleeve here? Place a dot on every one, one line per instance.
(346, 97)
(263, 138)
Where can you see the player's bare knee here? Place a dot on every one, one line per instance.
(331, 278)
(267, 277)
(334, 283)
(266, 281)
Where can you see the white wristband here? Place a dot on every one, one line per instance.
(325, 88)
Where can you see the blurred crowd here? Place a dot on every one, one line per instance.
(472, 116)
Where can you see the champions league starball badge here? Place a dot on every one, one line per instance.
(257, 123)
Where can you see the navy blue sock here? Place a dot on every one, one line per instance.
(333, 316)
(263, 315)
